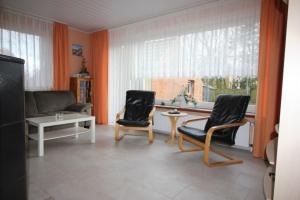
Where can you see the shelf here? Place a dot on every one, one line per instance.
(61, 133)
(269, 183)
(271, 150)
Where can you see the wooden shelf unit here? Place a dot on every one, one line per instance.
(82, 88)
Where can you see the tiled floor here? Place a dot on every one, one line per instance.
(134, 170)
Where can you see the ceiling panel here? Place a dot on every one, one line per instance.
(91, 15)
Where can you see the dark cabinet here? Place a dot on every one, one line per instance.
(12, 133)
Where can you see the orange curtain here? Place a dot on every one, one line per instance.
(271, 55)
(61, 56)
(99, 63)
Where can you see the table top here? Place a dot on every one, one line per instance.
(67, 118)
(181, 114)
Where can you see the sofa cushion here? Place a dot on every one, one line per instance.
(30, 105)
(79, 107)
(52, 101)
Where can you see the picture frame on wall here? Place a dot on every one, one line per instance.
(77, 49)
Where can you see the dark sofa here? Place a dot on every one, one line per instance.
(45, 103)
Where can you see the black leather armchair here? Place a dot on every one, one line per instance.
(227, 116)
(138, 113)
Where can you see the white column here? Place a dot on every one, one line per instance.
(287, 175)
(93, 134)
(41, 140)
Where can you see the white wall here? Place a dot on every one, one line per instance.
(162, 124)
(287, 183)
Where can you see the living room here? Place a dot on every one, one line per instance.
(205, 85)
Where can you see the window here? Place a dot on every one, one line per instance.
(205, 64)
(194, 92)
(30, 39)
(188, 57)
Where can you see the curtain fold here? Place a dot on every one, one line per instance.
(219, 39)
(99, 63)
(29, 38)
(271, 57)
(61, 56)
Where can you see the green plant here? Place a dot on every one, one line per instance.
(187, 98)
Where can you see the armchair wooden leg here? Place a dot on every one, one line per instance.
(117, 129)
(151, 136)
(207, 149)
(180, 142)
(229, 160)
(181, 146)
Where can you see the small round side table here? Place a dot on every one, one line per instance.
(173, 118)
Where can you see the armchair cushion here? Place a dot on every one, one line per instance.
(125, 122)
(195, 133)
(227, 109)
(138, 105)
(79, 107)
(199, 134)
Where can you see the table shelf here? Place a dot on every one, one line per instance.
(61, 133)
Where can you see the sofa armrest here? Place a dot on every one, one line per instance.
(80, 107)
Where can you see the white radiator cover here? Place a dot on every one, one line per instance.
(243, 138)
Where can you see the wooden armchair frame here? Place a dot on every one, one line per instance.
(206, 147)
(147, 128)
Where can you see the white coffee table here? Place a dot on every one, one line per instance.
(46, 121)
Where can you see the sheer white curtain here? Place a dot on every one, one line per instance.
(218, 39)
(29, 38)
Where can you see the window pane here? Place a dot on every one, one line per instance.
(194, 91)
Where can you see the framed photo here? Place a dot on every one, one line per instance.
(76, 49)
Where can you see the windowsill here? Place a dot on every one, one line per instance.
(199, 109)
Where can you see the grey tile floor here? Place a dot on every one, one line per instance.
(134, 170)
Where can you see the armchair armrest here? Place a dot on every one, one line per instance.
(215, 128)
(119, 114)
(151, 114)
(79, 107)
(193, 120)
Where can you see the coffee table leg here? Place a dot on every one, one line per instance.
(41, 141)
(172, 137)
(76, 125)
(173, 133)
(93, 135)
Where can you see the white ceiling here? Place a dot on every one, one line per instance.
(92, 15)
